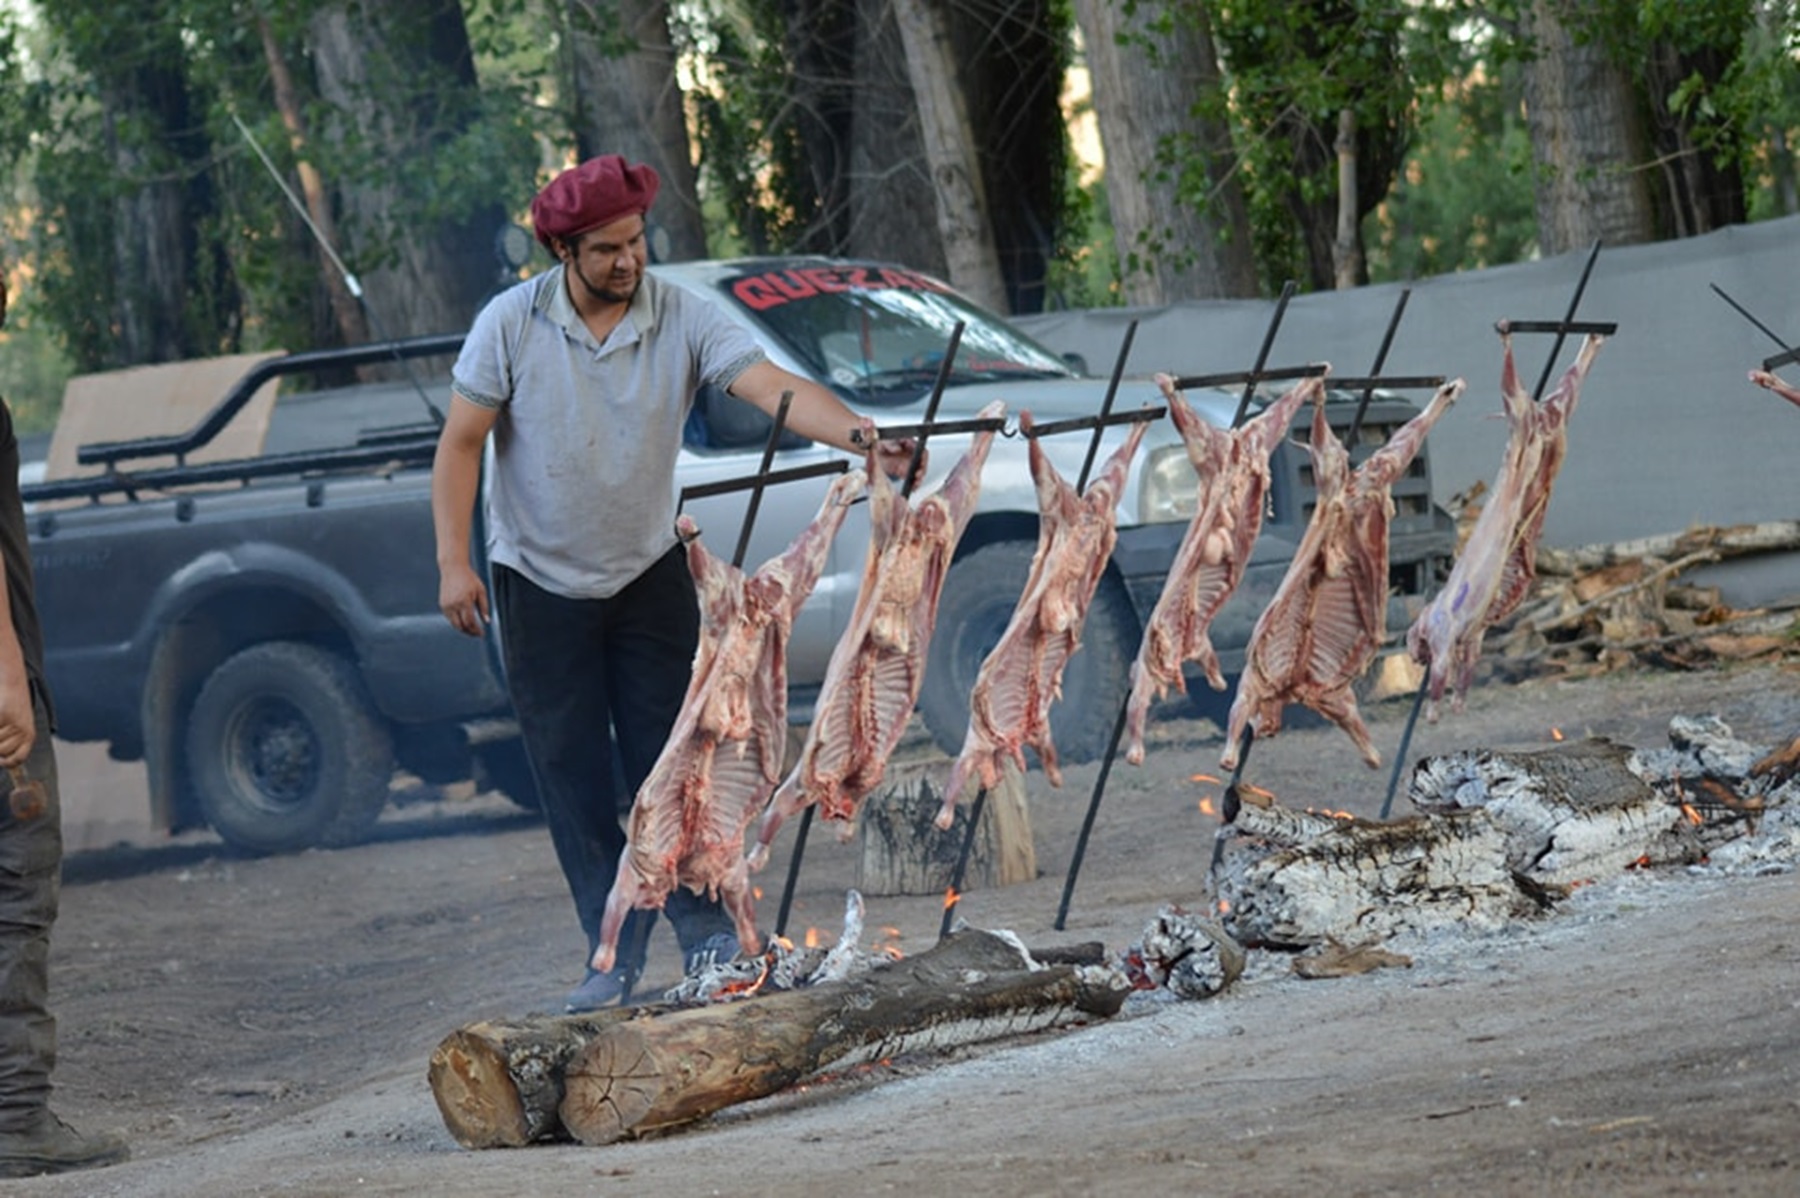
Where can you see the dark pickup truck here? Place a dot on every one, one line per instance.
(264, 634)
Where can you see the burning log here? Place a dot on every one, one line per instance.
(904, 852)
(1189, 956)
(598, 1080)
(1293, 879)
(1570, 813)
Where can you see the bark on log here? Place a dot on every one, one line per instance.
(1571, 813)
(903, 852)
(1292, 879)
(620, 1074)
(649, 1075)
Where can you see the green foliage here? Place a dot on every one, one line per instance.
(1464, 197)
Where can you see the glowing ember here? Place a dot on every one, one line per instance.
(1203, 778)
(1693, 816)
(1206, 806)
(950, 897)
(1556, 734)
(814, 938)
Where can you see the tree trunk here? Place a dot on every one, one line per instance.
(892, 200)
(625, 1074)
(1349, 255)
(352, 328)
(955, 169)
(628, 100)
(401, 79)
(1176, 239)
(1586, 141)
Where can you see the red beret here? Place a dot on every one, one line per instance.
(598, 192)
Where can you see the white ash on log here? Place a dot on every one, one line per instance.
(1570, 813)
(1294, 879)
(659, 1068)
(1186, 954)
(1742, 800)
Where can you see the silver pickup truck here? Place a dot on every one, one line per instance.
(263, 632)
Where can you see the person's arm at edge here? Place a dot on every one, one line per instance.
(455, 481)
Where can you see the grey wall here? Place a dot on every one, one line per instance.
(1669, 432)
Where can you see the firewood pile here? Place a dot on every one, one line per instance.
(1602, 608)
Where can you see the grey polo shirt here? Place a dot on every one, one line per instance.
(581, 498)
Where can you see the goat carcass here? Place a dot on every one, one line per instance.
(1233, 465)
(877, 667)
(1329, 616)
(1022, 676)
(724, 754)
(1496, 567)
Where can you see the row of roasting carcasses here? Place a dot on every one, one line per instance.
(720, 770)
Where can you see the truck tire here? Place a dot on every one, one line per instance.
(978, 601)
(286, 751)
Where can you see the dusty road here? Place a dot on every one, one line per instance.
(262, 1026)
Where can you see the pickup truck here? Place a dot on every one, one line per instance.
(263, 632)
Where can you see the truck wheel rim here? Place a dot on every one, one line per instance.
(274, 754)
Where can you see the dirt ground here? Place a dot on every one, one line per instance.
(262, 1026)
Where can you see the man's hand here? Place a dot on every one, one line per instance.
(463, 599)
(18, 724)
(894, 457)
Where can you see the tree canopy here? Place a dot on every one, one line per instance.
(191, 177)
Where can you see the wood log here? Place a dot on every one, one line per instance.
(1734, 540)
(1359, 880)
(613, 1074)
(649, 1075)
(903, 852)
(498, 1083)
(1571, 813)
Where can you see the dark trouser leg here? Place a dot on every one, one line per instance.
(30, 879)
(554, 649)
(653, 630)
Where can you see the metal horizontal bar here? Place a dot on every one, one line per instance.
(1398, 382)
(1075, 423)
(1780, 360)
(1252, 376)
(1604, 328)
(931, 428)
(772, 478)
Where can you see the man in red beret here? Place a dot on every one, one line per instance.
(585, 375)
(32, 1139)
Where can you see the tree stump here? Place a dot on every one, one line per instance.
(903, 852)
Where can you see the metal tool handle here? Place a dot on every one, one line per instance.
(28, 798)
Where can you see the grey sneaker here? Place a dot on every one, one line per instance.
(714, 950)
(596, 991)
(52, 1146)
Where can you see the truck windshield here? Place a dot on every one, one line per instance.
(878, 333)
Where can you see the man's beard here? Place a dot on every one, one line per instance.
(607, 294)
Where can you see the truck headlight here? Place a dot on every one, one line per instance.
(1169, 488)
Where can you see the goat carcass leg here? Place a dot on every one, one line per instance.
(1763, 378)
(1022, 677)
(1233, 465)
(873, 678)
(1329, 616)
